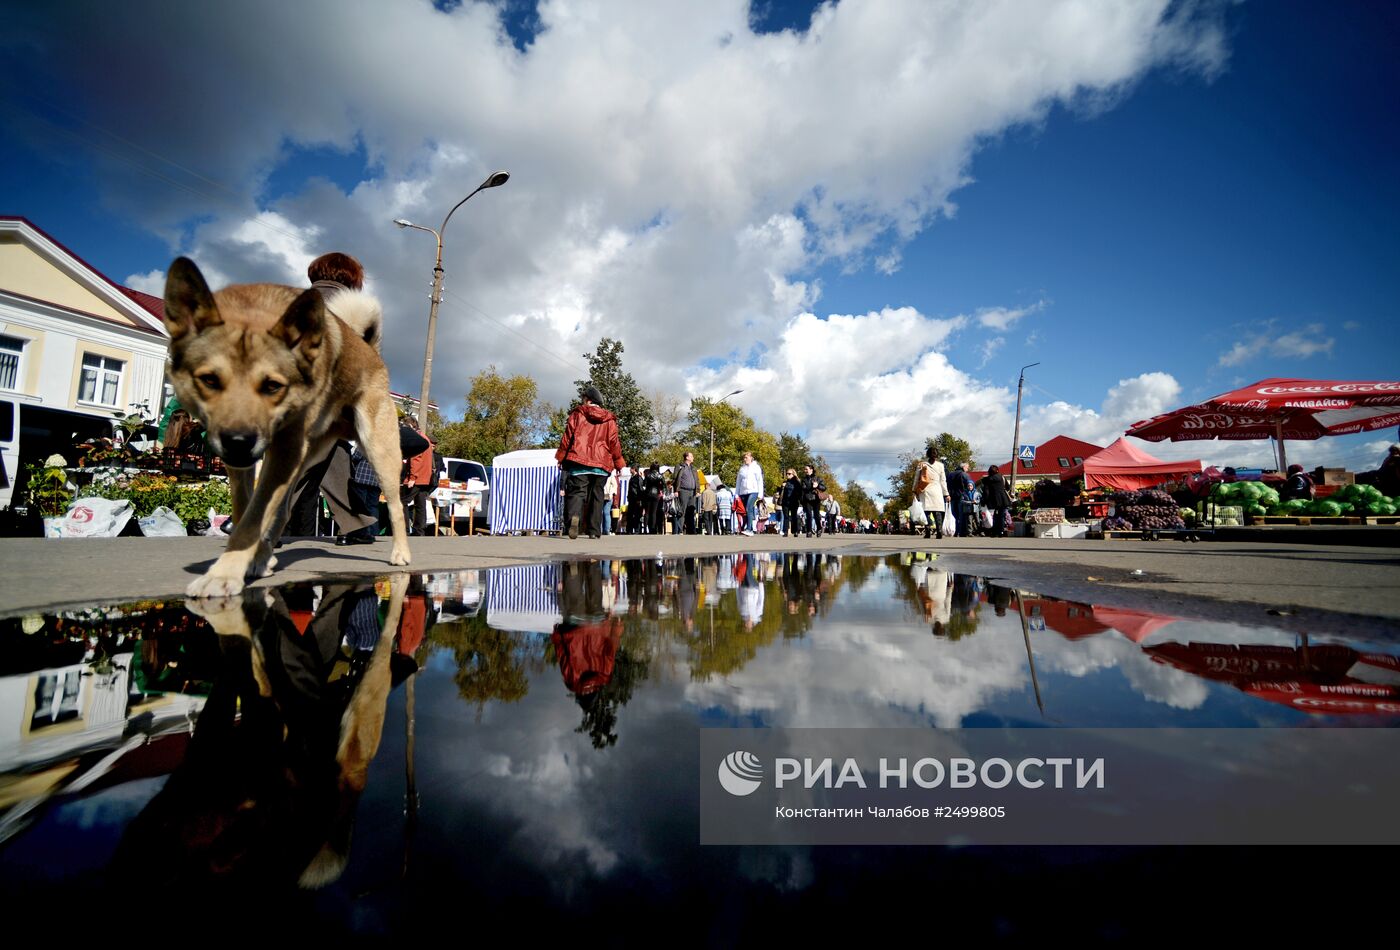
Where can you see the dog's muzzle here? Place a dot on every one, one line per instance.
(238, 449)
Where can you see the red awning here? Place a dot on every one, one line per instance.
(1125, 466)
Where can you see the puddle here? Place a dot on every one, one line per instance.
(526, 738)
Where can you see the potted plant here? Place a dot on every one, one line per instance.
(48, 489)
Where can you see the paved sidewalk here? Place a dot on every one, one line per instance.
(1241, 580)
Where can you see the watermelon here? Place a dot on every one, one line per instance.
(1327, 509)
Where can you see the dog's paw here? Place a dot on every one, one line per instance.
(215, 585)
(399, 556)
(261, 568)
(225, 615)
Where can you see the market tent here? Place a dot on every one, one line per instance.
(525, 492)
(523, 598)
(1280, 409)
(1125, 466)
(1136, 625)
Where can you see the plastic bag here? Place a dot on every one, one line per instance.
(162, 523)
(950, 523)
(216, 522)
(916, 513)
(90, 518)
(986, 518)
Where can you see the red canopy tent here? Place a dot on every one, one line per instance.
(1126, 466)
(1280, 409)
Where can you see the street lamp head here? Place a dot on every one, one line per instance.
(496, 179)
(734, 393)
(403, 222)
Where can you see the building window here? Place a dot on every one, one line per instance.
(11, 354)
(1064, 462)
(102, 380)
(1079, 460)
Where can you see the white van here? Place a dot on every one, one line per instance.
(475, 479)
(9, 450)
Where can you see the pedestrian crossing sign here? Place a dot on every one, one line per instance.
(1026, 454)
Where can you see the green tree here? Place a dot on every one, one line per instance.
(503, 414)
(793, 452)
(951, 452)
(734, 433)
(858, 503)
(636, 428)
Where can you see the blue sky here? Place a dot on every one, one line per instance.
(1216, 208)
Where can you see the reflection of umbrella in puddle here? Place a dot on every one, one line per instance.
(1136, 625)
(1328, 679)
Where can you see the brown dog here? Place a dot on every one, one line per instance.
(275, 377)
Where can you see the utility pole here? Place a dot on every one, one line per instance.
(1016, 436)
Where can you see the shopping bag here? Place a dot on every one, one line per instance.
(90, 518)
(986, 518)
(162, 523)
(950, 523)
(916, 513)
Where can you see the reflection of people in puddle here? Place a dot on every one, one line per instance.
(999, 597)
(798, 584)
(586, 642)
(687, 588)
(933, 595)
(268, 788)
(750, 594)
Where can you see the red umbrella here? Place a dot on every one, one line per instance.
(1280, 409)
(1136, 625)
(1329, 678)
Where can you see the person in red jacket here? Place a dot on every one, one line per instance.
(589, 450)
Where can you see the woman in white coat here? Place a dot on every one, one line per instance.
(934, 496)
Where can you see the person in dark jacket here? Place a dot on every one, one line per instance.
(960, 487)
(687, 487)
(997, 499)
(790, 499)
(1388, 475)
(636, 502)
(588, 451)
(655, 495)
(812, 488)
(1298, 486)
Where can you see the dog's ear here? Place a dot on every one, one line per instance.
(303, 326)
(189, 306)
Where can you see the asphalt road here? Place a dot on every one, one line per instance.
(1309, 587)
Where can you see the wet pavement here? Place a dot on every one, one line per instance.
(374, 755)
(1242, 581)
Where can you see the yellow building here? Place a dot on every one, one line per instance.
(77, 350)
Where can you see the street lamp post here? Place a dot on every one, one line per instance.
(712, 429)
(1016, 435)
(496, 179)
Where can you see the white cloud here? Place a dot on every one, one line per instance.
(1297, 344)
(1000, 318)
(676, 178)
(989, 349)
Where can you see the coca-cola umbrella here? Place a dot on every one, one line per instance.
(1279, 409)
(1328, 678)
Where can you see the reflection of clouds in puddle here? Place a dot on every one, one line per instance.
(860, 674)
(1107, 651)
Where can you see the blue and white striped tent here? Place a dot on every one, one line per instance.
(523, 598)
(525, 492)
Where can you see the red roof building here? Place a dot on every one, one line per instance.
(1052, 459)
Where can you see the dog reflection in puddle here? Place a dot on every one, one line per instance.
(269, 785)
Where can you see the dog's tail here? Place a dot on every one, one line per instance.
(361, 312)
